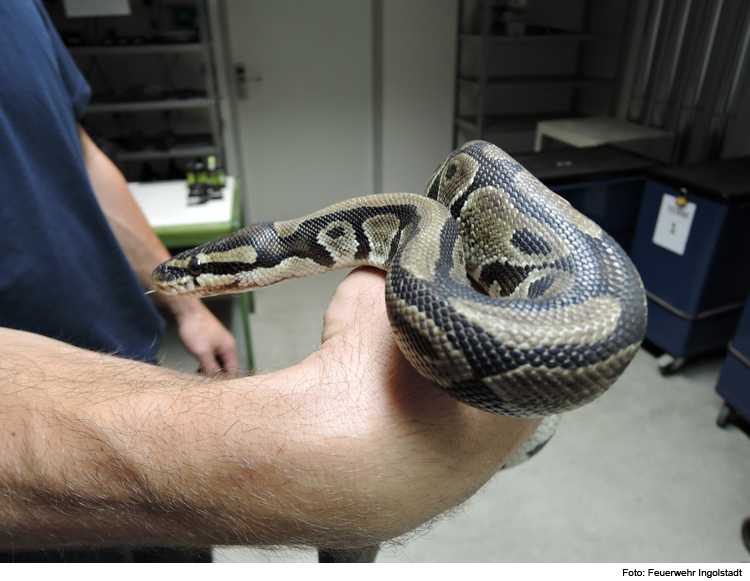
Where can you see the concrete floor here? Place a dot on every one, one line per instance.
(643, 474)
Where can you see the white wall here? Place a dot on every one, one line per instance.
(419, 54)
(306, 127)
(332, 119)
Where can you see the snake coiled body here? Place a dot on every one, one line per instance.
(564, 310)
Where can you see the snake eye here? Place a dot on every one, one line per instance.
(194, 266)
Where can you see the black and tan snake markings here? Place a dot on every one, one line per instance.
(565, 309)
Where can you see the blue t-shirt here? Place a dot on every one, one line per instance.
(62, 272)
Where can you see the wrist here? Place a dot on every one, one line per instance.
(181, 307)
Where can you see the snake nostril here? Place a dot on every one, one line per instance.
(161, 274)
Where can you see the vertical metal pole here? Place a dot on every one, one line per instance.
(457, 72)
(695, 95)
(211, 91)
(618, 88)
(660, 55)
(378, 113)
(666, 73)
(482, 66)
(236, 163)
(727, 99)
(585, 27)
(646, 62)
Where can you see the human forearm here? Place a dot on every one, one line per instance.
(90, 447)
(348, 448)
(110, 452)
(201, 333)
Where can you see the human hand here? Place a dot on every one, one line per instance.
(418, 451)
(206, 338)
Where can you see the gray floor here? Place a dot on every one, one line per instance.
(641, 475)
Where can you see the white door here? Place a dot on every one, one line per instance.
(306, 126)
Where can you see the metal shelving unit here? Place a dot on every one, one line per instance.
(530, 82)
(150, 114)
(160, 105)
(491, 124)
(139, 49)
(481, 95)
(179, 150)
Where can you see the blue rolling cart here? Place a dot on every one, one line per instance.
(691, 248)
(734, 382)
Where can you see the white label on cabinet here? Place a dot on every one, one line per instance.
(673, 224)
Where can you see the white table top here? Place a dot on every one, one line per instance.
(166, 204)
(594, 131)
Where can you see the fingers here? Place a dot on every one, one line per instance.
(209, 341)
(228, 360)
(221, 358)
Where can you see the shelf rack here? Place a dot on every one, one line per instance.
(480, 94)
(98, 58)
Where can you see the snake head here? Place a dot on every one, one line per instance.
(226, 265)
(181, 274)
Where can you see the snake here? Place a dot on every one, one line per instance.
(497, 290)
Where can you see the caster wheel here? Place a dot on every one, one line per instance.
(726, 416)
(668, 364)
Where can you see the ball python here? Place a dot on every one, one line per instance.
(551, 313)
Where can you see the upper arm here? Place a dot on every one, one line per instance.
(88, 147)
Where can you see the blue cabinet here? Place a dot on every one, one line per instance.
(734, 382)
(692, 249)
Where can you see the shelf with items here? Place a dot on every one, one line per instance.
(524, 61)
(530, 38)
(178, 150)
(506, 123)
(532, 82)
(160, 105)
(153, 85)
(148, 48)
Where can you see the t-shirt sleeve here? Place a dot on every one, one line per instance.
(79, 92)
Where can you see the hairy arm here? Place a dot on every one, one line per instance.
(348, 448)
(200, 331)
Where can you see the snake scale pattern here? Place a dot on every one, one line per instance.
(561, 312)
